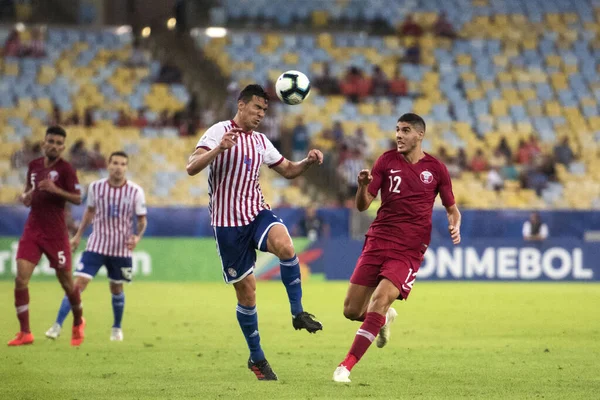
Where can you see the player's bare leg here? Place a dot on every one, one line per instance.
(357, 301)
(74, 294)
(118, 303)
(383, 297)
(24, 271)
(280, 244)
(247, 317)
(81, 282)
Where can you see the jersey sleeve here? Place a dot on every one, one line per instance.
(140, 203)
(377, 172)
(211, 138)
(91, 196)
(445, 187)
(272, 156)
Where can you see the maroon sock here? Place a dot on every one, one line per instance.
(363, 339)
(75, 300)
(22, 306)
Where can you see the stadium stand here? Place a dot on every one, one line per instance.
(95, 83)
(525, 71)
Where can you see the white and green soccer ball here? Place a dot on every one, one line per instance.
(292, 87)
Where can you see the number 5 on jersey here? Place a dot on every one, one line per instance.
(395, 184)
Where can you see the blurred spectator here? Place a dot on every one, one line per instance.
(533, 146)
(412, 55)
(271, 127)
(311, 226)
(548, 167)
(534, 229)
(338, 131)
(73, 119)
(22, 157)
(354, 85)
(231, 104)
(379, 82)
(96, 159)
(443, 28)
(140, 121)
(359, 143)
(163, 120)
(12, 46)
(79, 155)
(56, 118)
(523, 154)
(495, 180)
(300, 140)
(326, 83)
(461, 159)
(563, 153)
(36, 47)
(533, 178)
(479, 163)
(209, 115)
(123, 119)
(283, 202)
(88, 118)
(410, 28)
(509, 171)
(398, 85)
(504, 148)
(442, 155)
(348, 172)
(169, 74)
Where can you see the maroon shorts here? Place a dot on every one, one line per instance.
(380, 260)
(58, 251)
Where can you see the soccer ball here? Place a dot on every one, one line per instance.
(292, 87)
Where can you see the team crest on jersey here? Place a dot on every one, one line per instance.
(232, 272)
(53, 175)
(426, 177)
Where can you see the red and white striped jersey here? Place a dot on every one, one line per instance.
(233, 186)
(113, 220)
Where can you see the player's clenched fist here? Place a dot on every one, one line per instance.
(315, 156)
(230, 139)
(364, 177)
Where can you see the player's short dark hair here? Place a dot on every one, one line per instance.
(119, 153)
(413, 119)
(252, 90)
(56, 130)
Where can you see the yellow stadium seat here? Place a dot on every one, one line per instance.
(320, 18)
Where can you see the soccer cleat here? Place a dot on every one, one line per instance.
(306, 321)
(54, 331)
(262, 370)
(384, 332)
(77, 335)
(341, 374)
(21, 339)
(116, 335)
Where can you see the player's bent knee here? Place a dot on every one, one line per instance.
(352, 313)
(286, 251)
(21, 282)
(116, 288)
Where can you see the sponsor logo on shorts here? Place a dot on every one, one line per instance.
(232, 272)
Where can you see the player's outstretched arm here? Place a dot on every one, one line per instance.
(363, 197)
(86, 220)
(201, 158)
(290, 169)
(454, 223)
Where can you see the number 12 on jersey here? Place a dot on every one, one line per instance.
(395, 184)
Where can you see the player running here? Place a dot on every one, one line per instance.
(51, 182)
(409, 180)
(112, 203)
(243, 221)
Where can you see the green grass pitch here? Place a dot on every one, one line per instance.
(451, 340)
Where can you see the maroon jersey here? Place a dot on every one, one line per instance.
(408, 192)
(47, 216)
